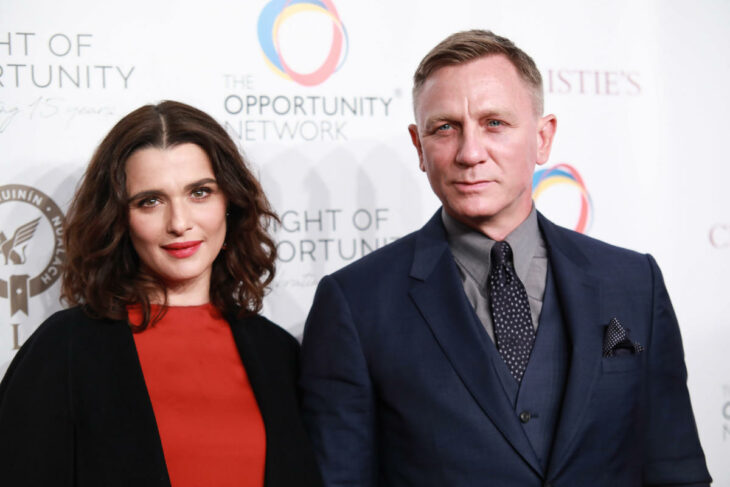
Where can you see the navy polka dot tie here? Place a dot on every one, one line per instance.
(513, 331)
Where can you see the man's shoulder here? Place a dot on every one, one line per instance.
(393, 257)
(596, 251)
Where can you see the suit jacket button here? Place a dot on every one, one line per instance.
(525, 416)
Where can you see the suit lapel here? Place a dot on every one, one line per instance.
(580, 300)
(438, 293)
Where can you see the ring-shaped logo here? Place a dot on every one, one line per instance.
(277, 11)
(565, 174)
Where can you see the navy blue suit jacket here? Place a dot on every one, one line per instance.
(398, 388)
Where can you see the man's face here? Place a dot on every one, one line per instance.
(478, 140)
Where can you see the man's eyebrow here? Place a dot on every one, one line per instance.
(486, 113)
(493, 112)
(439, 117)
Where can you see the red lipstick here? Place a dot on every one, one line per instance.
(181, 250)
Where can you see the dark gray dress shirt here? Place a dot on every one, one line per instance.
(471, 250)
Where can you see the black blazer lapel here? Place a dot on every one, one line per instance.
(271, 359)
(579, 294)
(438, 293)
(114, 402)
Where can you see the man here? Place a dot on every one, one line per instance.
(493, 347)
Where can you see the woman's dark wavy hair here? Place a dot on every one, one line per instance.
(102, 270)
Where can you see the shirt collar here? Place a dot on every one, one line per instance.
(472, 248)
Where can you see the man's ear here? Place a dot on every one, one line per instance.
(546, 127)
(413, 130)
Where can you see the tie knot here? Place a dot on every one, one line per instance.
(501, 254)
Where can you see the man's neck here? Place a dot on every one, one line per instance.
(497, 228)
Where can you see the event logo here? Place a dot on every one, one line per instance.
(26, 243)
(269, 28)
(567, 176)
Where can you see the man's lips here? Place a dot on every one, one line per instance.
(472, 184)
(182, 249)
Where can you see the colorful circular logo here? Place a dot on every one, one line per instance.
(277, 11)
(564, 174)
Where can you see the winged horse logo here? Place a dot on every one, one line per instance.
(14, 249)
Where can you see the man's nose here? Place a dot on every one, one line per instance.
(178, 221)
(472, 146)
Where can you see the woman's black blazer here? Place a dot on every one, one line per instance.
(74, 408)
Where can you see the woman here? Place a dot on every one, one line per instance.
(162, 374)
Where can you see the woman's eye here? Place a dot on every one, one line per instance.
(200, 193)
(148, 202)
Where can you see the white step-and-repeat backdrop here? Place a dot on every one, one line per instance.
(640, 90)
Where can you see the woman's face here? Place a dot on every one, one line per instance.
(177, 218)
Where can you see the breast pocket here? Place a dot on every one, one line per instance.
(621, 363)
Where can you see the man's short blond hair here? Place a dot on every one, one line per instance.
(466, 46)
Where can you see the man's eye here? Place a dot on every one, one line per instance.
(494, 123)
(446, 126)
